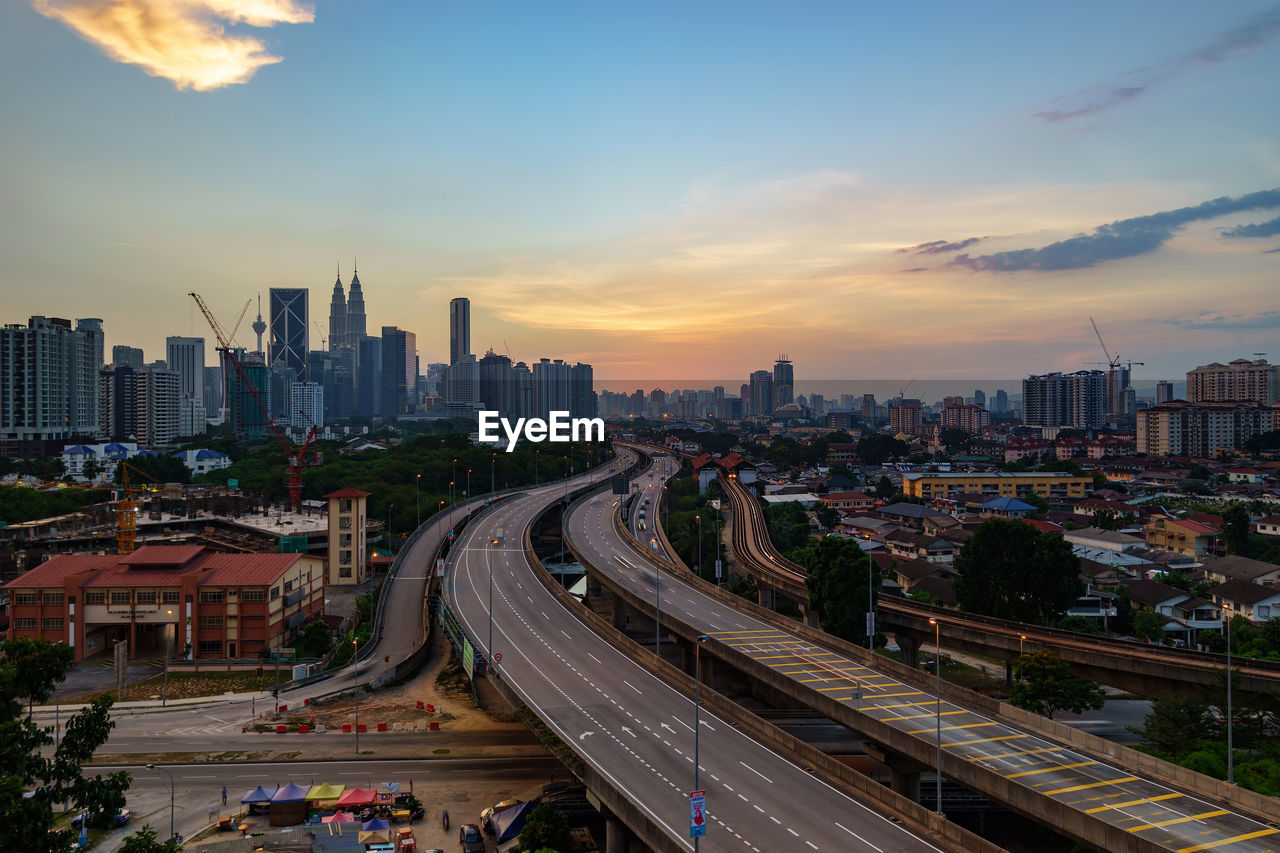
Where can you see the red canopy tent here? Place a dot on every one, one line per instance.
(338, 817)
(357, 797)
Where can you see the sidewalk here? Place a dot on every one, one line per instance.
(155, 705)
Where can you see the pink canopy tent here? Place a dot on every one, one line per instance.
(338, 817)
(357, 797)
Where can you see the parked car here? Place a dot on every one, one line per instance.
(470, 838)
(123, 816)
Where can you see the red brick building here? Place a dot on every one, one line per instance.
(196, 602)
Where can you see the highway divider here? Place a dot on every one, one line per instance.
(1258, 806)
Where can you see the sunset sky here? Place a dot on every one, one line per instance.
(666, 190)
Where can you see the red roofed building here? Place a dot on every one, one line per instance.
(196, 602)
(844, 501)
(1182, 536)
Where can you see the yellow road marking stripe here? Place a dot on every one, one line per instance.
(950, 728)
(752, 631)
(767, 657)
(1086, 785)
(916, 716)
(1183, 819)
(1209, 845)
(908, 693)
(903, 705)
(1050, 769)
(1016, 754)
(1127, 803)
(984, 740)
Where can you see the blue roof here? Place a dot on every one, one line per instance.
(1008, 505)
(148, 453)
(115, 446)
(210, 454)
(79, 448)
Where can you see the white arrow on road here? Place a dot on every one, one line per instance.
(668, 728)
(583, 736)
(628, 731)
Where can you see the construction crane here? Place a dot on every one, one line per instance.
(1113, 362)
(127, 507)
(324, 339)
(300, 456)
(240, 319)
(902, 392)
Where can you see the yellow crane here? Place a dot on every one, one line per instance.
(127, 507)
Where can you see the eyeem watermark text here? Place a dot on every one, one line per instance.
(560, 427)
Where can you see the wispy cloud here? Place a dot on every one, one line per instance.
(1122, 239)
(938, 247)
(1239, 41)
(1270, 228)
(183, 41)
(1229, 322)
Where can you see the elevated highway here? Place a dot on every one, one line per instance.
(633, 732)
(1094, 791)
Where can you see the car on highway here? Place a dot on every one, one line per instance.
(470, 838)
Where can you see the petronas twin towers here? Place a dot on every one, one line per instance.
(346, 315)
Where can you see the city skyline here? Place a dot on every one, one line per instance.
(952, 198)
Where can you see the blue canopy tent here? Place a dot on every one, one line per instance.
(507, 824)
(258, 799)
(289, 805)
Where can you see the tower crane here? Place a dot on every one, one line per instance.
(1113, 362)
(126, 508)
(240, 319)
(300, 456)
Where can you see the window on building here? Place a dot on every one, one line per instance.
(146, 597)
(95, 598)
(121, 597)
(254, 617)
(25, 624)
(344, 571)
(344, 505)
(344, 540)
(210, 621)
(169, 596)
(231, 620)
(344, 522)
(210, 646)
(288, 587)
(253, 595)
(53, 598)
(52, 623)
(26, 598)
(344, 557)
(275, 593)
(210, 596)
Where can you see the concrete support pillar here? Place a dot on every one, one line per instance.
(910, 649)
(1008, 673)
(904, 773)
(810, 616)
(619, 614)
(615, 835)
(767, 596)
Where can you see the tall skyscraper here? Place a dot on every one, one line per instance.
(368, 392)
(784, 382)
(1002, 401)
(123, 356)
(246, 418)
(186, 356)
(157, 405)
(399, 371)
(355, 311)
(338, 317)
(1120, 397)
(289, 333)
(979, 397)
(459, 329)
(1076, 400)
(762, 396)
(49, 379)
(1164, 391)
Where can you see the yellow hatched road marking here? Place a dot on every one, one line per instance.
(1119, 781)
(1016, 754)
(1209, 845)
(949, 728)
(917, 716)
(903, 705)
(1127, 803)
(752, 631)
(984, 740)
(767, 657)
(1050, 769)
(908, 693)
(1184, 819)
(763, 641)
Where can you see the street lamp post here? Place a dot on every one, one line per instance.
(467, 493)
(493, 461)
(1231, 764)
(698, 518)
(1022, 638)
(871, 603)
(417, 497)
(536, 455)
(164, 693)
(453, 477)
(937, 668)
(356, 664)
(171, 787)
(657, 607)
(697, 707)
(488, 561)
(390, 507)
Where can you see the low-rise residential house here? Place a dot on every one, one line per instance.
(1005, 508)
(909, 572)
(842, 453)
(1106, 540)
(1268, 525)
(939, 588)
(845, 501)
(1255, 602)
(909, 545)
(202, 461)
(105, 456)
(1090, 507)
(1246, 475)
(1181, 536)
(1234, 567)
(908, 515)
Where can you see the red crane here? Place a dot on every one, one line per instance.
(297, 454)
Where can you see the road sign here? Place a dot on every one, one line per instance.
(285, 654)
(497, 657)
(440, 567)
(697, 814)
(871, 623)
(719, 570)
(468, 659)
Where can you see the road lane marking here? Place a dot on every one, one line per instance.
(1087, 785)
(633, 687)
(1050, 769)
(1183, 819)
(757, 772)
(1209, 845)
(950, 728)
(984, 740)
(1127, 803)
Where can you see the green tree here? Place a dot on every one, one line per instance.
(879, 447)
(29, 670)
(1044, 684)
(828, 516)
(1010, 570)
(1148, 625)
(545, 828)
(840, 576)
(788, 526)
(315, 641)
(1196, 471)
(1040, 503)
(91, 468)
(1235, 531)
(145, 841)
(884, 488)
(955, 439)
(1170, 727)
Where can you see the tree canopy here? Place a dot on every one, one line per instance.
(840, 578)
(1010, 570)
(546, 829)
(1043, 683)
(878, 447)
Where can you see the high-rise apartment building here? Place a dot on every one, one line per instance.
(399, 371)
(213, 396)
(459, 329)
(1242, 381)
(289, 334)
(157, 405)
(338, 337)
(970, 418)
(1120, 396)
(369, 377)
(124, 356)
(979, 397)
(1076, 400)
(247, 419)
(905, 417)
(760, 394)
(1179, 428)
(1164, 391)
(186, 356)
(784, 382)
(306, 402)
(49, 379)
(1002, 401)
(504, 387)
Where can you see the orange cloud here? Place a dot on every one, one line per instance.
(180, 40)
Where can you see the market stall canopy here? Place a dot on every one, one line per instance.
(258, 795)
(325, 792)
(338, 817)
(291, 793)
(375, 824)
(358, 797)
(508, 823)
(375, 836)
